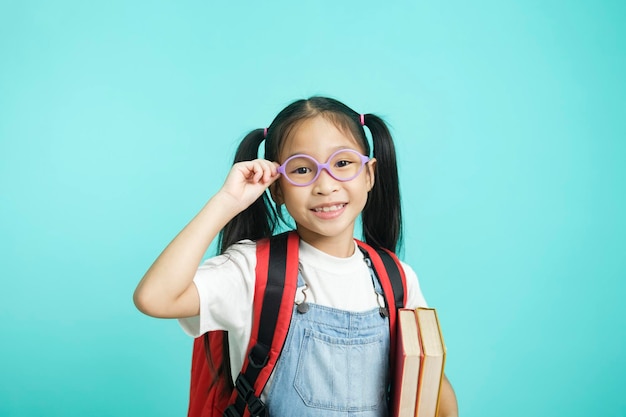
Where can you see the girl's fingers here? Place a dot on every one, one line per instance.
(258, 171)
(247, 180)
(262, 171)
(270, 173)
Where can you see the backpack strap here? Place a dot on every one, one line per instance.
(390, 273)
(275, 288)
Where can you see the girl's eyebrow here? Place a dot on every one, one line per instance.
(333, 150)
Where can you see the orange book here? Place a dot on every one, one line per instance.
(407, 366)
(433, 360)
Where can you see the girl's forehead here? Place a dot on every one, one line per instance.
(318, 135)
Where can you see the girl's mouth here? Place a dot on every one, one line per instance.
(327, 209)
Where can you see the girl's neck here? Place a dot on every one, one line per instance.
(340, 248)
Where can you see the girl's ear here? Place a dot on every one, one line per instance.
(277, 193)
(371, 169)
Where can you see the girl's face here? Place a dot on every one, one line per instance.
(326, 210)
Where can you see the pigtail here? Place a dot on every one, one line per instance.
(382, 215)
(259, 219)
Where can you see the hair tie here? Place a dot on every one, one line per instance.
(362, 119)
(264, 133)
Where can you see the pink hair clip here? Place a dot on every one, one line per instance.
(362, 119)
(265, 133)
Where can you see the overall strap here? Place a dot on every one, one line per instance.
(275, 289)
(391, 275)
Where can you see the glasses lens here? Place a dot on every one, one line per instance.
(301, 169)
(346, 165)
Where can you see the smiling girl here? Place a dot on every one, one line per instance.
(318, 165)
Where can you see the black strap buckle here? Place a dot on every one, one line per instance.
(256, 407)
(246, 392)
(243, 387)
(259, 355)
(231, 411)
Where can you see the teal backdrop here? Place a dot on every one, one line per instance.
(118, 120)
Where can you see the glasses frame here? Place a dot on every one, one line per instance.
(364, 160)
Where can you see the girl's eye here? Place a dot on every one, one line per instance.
(343, 163)
(301, 170)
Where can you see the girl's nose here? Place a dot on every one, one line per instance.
(325, 183)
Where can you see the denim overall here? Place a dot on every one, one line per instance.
(334, 363)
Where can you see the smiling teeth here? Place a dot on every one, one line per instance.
(330, 208)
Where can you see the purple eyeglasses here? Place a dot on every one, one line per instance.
(302, 170)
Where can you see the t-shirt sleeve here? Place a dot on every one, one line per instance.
(225, 285)
(414, 298)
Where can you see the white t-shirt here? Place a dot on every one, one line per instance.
(225, 286)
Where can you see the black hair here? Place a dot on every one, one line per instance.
(262, 218)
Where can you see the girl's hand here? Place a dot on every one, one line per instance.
(167, 288)
(247, 180)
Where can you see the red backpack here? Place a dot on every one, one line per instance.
(275, 289)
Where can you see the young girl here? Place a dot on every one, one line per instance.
(318, 165)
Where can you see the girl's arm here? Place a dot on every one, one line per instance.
(448, 406)
(167, 290)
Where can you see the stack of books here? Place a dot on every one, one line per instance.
(420, 359)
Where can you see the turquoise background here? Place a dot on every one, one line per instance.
(119, 119)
